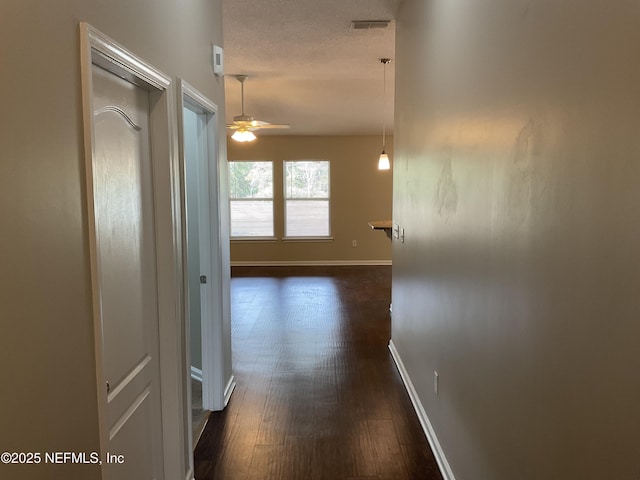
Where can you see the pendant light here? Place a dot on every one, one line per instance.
(383, 161)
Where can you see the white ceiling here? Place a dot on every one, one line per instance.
(307, 67)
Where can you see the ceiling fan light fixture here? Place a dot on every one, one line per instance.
(243, 136)
(244, 125)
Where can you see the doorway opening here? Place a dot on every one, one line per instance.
(207, 278)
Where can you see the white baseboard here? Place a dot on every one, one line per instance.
(196, 374)
(308, 263)
(443, 464)
(231, 385)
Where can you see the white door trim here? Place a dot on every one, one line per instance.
(97, 48)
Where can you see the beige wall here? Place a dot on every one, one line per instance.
(47, 365)
(359, 193)
(517, 180)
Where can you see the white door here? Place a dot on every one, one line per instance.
(127, 275)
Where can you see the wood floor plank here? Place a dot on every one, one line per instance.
(318, 395)
(299, 451)
(329, 461)
(387, 450)
(420, 462)
(268, 462)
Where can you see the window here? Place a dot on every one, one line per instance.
(306, 198)
(251, 199)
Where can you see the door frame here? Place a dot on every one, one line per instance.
(97, 48)
(216, 388)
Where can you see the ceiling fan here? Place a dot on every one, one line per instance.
(245, 125)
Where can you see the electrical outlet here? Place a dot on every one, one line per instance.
(354, 243)
(436, 382)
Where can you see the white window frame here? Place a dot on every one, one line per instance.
(294, 238)
(272, 200)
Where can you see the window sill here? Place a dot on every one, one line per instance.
(284, 239)
(308, 239)
(253, 239)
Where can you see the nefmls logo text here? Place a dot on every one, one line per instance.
(72, 457)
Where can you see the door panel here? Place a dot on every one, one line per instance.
(125, 231)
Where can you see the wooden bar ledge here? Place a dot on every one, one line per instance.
(382, 225)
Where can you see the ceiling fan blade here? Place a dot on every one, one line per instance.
(249, 123)
(271, 125)
(263, 124)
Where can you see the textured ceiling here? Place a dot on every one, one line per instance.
(307, 67)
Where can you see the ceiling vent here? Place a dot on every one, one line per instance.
(369, 24)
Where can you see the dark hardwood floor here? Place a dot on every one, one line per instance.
(318, 395)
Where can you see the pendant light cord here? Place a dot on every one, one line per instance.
(384, 62)
(384, 104)
(242, 96)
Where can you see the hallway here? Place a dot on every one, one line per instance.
(318, 395)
